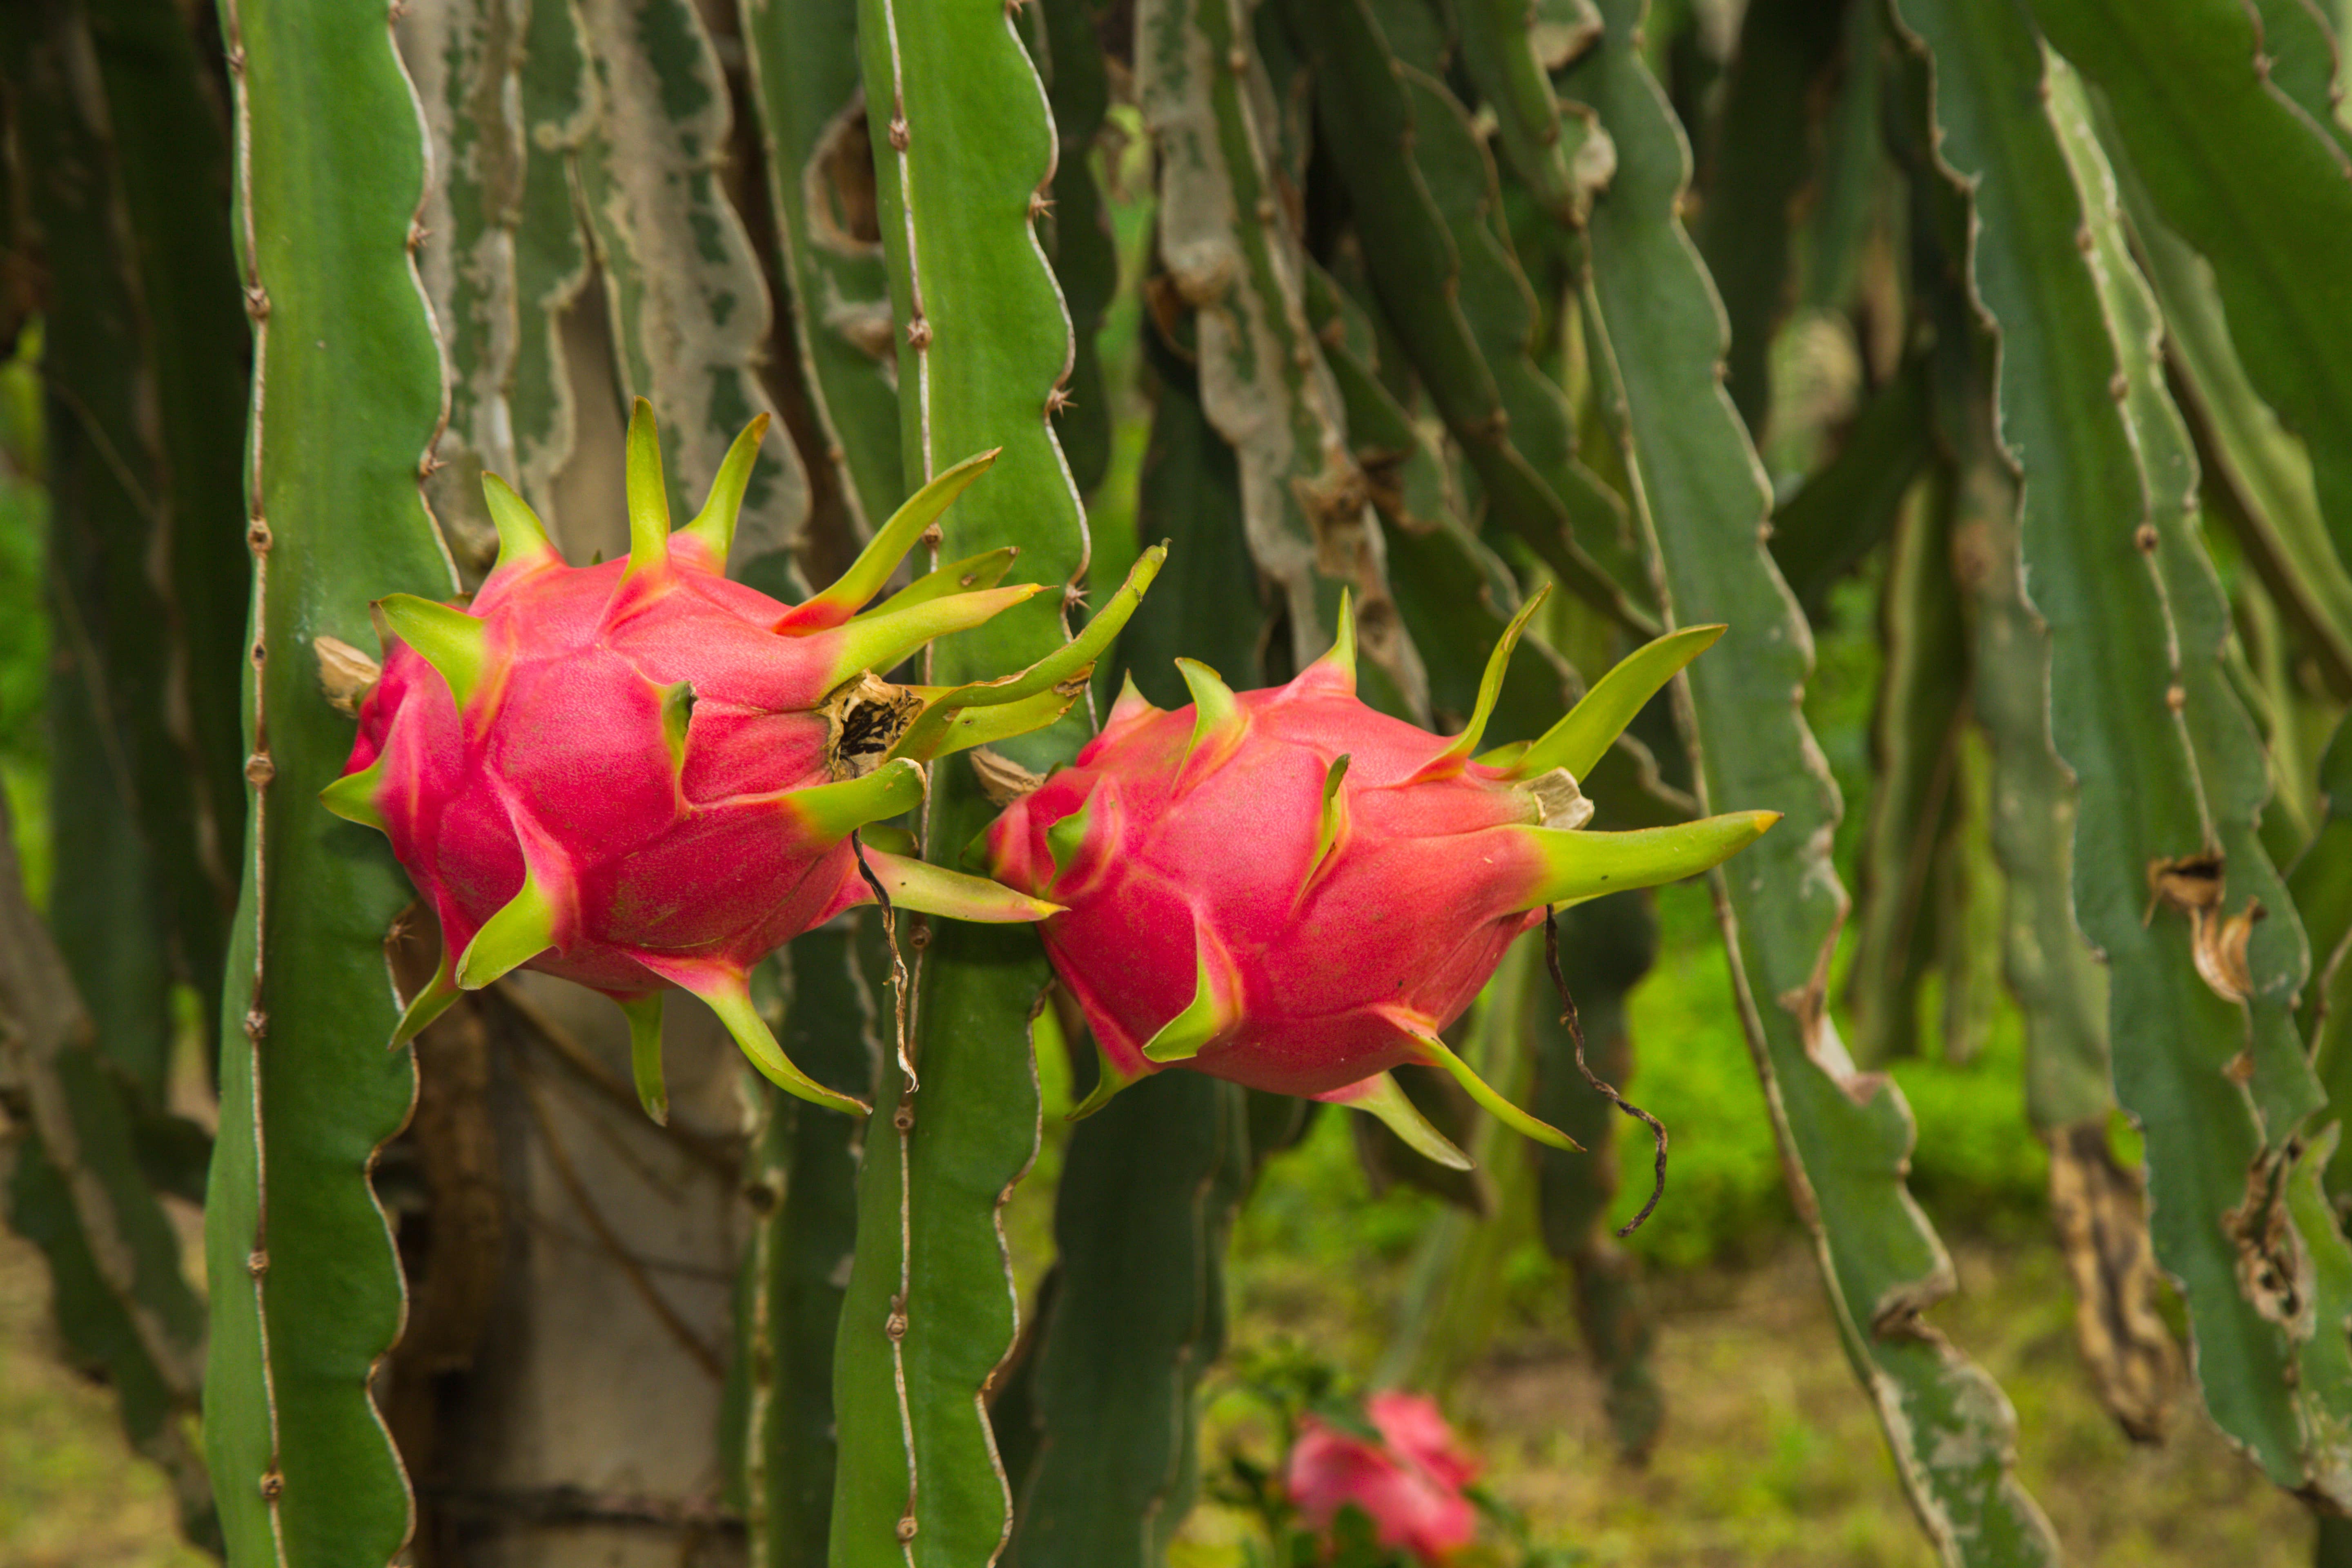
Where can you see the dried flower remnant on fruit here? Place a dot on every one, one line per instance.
(345, 673)
(863, 719)
(639, 774)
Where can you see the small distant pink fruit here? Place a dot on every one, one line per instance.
(1289, 890)
(1410, 1484)
(1417, 1429)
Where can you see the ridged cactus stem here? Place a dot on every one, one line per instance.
(689, 309)
(2273, 260)
(1232, 256)
(2104, 476)
(346, 396)
(1136, 1317)
(2266, 977)
(964, 153)
(803, 63)
(1656, 329)
(1420, 181)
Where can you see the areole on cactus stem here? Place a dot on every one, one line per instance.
(1289, 890)
(639, 774)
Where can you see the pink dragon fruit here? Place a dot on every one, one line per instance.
(1409, 1484)
(1287, 889)
(639, 774)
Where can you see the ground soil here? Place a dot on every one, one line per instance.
(1771, 1456)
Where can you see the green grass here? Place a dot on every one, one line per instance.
(1977, 1164)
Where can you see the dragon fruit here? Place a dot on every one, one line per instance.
(1409, 1483)
(639, 774)
(1288, 890)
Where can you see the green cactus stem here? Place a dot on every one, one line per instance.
(2114, 716)
(962, 151)
(307, 1292)
(1653, 325)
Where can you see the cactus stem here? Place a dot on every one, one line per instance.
(645, 1015)
(1579, 740)
(729, 995)
(453, 642)
(426, 1004)
(352, 796)
(523, 544)
(1490, 690)
(714, 526)
(1218, 723)
(676, 716)
(832, 812)
(519, 932)
(1438, 1053)
(648, 498)
(1328, 837)
(1381, 1095)
(1189, 1033)
(919, 884)
(849, 591)
(1577, 865)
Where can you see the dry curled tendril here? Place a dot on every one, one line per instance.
(1608, 1091)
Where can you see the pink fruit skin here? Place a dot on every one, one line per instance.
(1407, 920)
(1410, 1484)
(668, 873)
(1417, 1429)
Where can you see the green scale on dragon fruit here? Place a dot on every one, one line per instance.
(1289, 890)
(639, 774)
